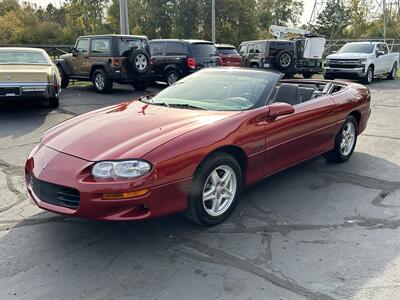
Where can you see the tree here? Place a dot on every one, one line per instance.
(333, 20)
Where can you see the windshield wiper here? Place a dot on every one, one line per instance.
(187, 106)
(145, 99)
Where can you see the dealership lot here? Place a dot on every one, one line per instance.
(316, 231)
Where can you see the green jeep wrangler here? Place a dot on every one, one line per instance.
(105, 59)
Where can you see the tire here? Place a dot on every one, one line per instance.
(172, 76)
(393, 73)
(307, 75)
(369, 76)
(328, 77)
(64, 78)
(138, 62)
(283, 60)
(340, 153)
(54, 102)
(101, 82)
(202, 211)
(140, 85)
(255, 66)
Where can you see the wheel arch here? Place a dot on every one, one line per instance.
(96, 67)
(356, 114)
(237, 152)
(171, 67)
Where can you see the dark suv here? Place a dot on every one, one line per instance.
(283, 55)
(104, 59)
(174, 59)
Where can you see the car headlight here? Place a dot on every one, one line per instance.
(127, 169)
(362, 61)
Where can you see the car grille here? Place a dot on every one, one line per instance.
(55, 194)
(343, 63)
(14, 91)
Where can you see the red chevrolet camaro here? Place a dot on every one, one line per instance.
(194, 146)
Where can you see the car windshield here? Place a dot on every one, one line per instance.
(228, 51)
(18, 57)
(219, 90)
(357, 48)
(204, 50)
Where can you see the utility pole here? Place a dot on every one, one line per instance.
(384, 19)
(213, 21)
(123, 16)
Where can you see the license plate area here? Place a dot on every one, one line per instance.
(10, 91)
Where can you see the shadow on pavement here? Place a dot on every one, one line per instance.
(311, 232)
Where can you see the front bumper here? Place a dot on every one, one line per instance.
(345, 73)
(55, 168)
(27, 90)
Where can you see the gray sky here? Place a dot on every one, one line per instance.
(308, 6)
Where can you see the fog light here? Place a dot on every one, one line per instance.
(128, 195)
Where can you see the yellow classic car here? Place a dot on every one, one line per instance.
(28, 73)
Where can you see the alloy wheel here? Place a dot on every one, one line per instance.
(172, 78)
(219, 190)
(141, 62)
(99, 81)
(348, 138)
(285, 60)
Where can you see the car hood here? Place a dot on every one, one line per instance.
(25, 73)
(127, 130)
(349, 56)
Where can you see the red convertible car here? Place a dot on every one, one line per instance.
(194, 146)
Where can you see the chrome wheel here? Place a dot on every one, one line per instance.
(99, 81)
(348, 138)
(141, 62)
(172, 78)
(219, 190)
(285, 60)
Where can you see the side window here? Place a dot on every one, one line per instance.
(82, 45)
(157, 48)
(251, 49)
(176, 49)
(384, 48)
(260, 47)
(101, 46)
(243, 49)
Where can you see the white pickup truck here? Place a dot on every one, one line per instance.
(363, 61)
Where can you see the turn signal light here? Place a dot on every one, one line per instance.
(191, 62)
(127, 195)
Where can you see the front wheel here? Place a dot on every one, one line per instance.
(369, 76)
(307, 75)
(328, 77)
(64, 78)
(217, 185)
(54, 102)
(392, 75)
(345, 142)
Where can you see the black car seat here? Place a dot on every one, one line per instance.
(288, 93)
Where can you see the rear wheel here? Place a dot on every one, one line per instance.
(307, 75)
(345, 142)
(101, 81)
(172, 77)
(392, 75)
(217, 185)
(54, 101)
(140, 85)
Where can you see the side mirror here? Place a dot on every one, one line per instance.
(280, 109)
(333, 52)
(74, 51)
(380, 53)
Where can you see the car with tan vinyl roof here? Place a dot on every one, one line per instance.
(28, 73)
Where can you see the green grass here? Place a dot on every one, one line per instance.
(398, 73)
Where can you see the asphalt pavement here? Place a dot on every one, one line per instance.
(316, 231)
